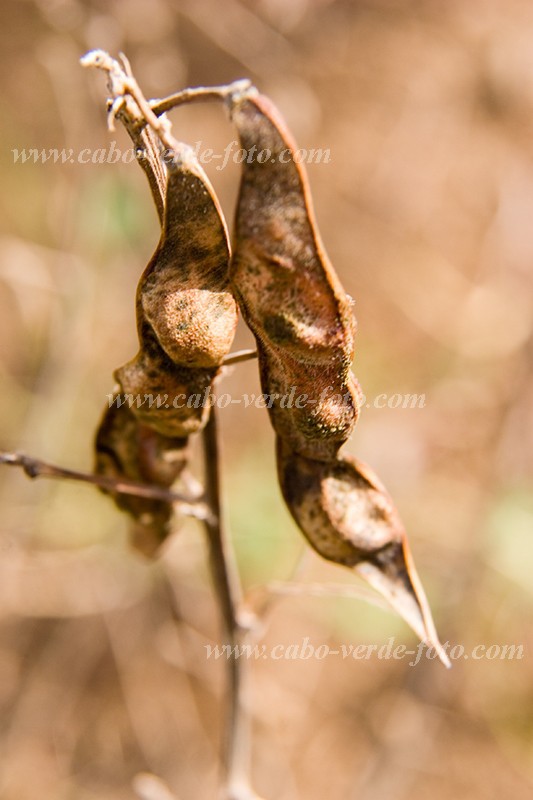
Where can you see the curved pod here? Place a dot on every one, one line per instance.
(287, 289)
(186, 313)
(348, 517)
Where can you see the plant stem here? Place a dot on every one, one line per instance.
(236, 748)
(238, 357)
(236, 751)
(35, 468)
(198, 95)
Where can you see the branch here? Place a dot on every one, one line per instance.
(199, 95)
(122, 84)
(238, 356)
(237, 747)
(35, 468)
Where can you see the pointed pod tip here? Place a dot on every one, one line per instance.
(431, 638)
(392, 573)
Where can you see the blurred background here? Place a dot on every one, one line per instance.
(425, 208)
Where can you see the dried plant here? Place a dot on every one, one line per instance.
(290, 297)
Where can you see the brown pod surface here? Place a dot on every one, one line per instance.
(306, 411)
(127, 449)
(349, 518)
(147, 151)
(287, 289)
(186, 313)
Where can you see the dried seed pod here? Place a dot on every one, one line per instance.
(288, 291)
(348, 517)
(125, 448)
(147, 151)
(184, 292)
(126, 108)
(186, 314)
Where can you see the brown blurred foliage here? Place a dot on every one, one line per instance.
(424, 208)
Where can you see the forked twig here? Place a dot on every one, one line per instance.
(123, 84)
(236, 754)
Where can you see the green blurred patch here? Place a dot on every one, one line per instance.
(114, 214)
(266, 541)
(510, 536)
(354, 619)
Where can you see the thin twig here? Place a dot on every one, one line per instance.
(224, 571)
(129, 101)
(144, 139)
(125, 89)
(328, 590)
(122, 83)
(36, 468)
(199, 95)
(238, 356)
(237, 747)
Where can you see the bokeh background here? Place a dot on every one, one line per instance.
(426, 210)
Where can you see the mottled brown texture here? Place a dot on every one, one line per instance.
(186, 314)
(340, 506)
(302, 319)
(287, 289)
(186, 319)
(184, 292)
(308, 411)
(125, 448)
(173, 400)
(348, 517)
(295, 305)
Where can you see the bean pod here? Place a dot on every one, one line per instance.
(348, 517)
(186, 313)
(125, 448)
(288, 291)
